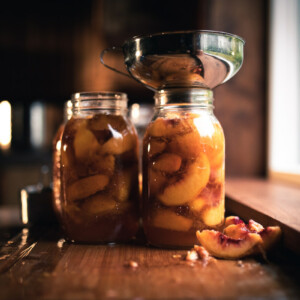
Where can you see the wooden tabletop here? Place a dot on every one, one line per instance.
(37, 263)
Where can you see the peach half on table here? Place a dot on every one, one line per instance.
(239, 239)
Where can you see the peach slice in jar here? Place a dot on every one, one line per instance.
(215, 147)
(168, 219)
(197, 205)
(104, 164)
(167, 162)
(123, 182)
(214, 216)
(85, 144)
(106, 122)
(168, 127)
(86, 187)
(99, 204)
(156, 181)
(187, 145)
(119, 143)
(156, 146)
(189, 186)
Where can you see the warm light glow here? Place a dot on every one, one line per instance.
(5, 125)
(135, 112)
(24, 237)
(24, 206)
(204, 126)
(37, 124)
(69, 109)
(58, 146)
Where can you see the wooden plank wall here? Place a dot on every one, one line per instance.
(240, 104)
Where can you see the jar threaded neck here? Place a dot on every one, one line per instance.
(183, 97)
(85, 101)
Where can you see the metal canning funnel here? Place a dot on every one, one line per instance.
(182, 59)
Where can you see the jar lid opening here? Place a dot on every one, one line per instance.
(99, 100)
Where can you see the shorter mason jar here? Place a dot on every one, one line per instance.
(99, 171)
(56, 161)
(183, 168)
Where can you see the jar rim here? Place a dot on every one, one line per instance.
(85, 101)
(101, 95)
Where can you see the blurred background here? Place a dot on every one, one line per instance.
(50, 49)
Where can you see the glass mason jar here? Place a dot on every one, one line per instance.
(99, 174)
(183, 168)
(56, 161)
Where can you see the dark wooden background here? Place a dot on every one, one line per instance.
(50, 49)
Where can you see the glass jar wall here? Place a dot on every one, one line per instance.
(183, 168)
(56, 160)
(99, 173)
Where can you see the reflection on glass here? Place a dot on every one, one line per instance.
(37, 122)
(5, 125)
(24, 211)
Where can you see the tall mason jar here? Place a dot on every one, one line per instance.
(183, 168)
(99, 173)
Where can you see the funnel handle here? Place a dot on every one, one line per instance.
(109, 67)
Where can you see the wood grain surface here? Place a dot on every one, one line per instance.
(37, 263)
(54, 269)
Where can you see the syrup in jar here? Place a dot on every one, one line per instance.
(183, 169)
(99, 170)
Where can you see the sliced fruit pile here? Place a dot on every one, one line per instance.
(239, 239)
(99, 167)
(184, 171)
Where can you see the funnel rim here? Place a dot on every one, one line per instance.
(165, 33)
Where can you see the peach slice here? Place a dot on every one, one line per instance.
(105, 163)
(236, 228)
(86, 187)
(168, 219)
(167, 162)
(236, 231)
(187, 188)
(216, 158)
(197, 205)
(169, 127)
(214, 216)
(217, 175)
(99, 204)
(222, 246)
(67, 157)
(233, 220)
(188, 145)
(106, 122)
(254, 226)
(270, 236)
(73, 212)
(85, 144)
(156, 181)
(119, 143)
(123, 182)
(155, 147)
(214, 146)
